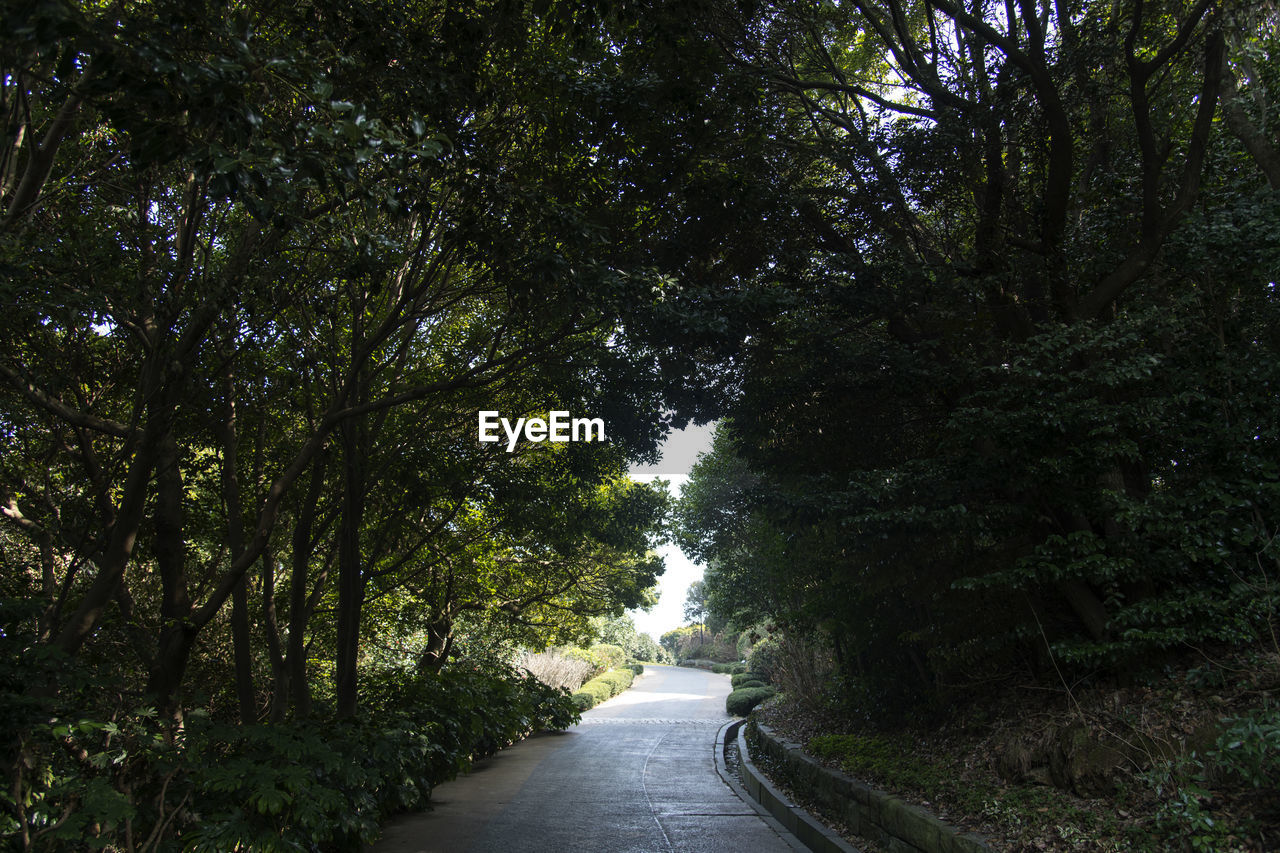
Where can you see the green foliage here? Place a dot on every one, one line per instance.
(636, 668)
(739, 678)
(1246, 756)
(604, 687)
(281, 786)
(602, 656)
(674, 639)
(722, 668)
(764, 658)
(618, 679)
(698, 642)
(881, 758)
(611, 655)
(981, 391)
(621, 631)
(741, 701)
(1248, 750)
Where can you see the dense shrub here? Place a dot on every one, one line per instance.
(636, 668)
(317, 784)
(604, 687)
(722, 668)
(602, 657)
(598, 690)
(764, 658)
(738, 679)
(740, 702)
(1248, 750)
(750, 682)
(692, 643)
(618, 679)
(613, 656)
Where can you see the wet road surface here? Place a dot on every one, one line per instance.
(636, 776)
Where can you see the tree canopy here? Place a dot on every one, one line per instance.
(983, 292)
(1028, 370)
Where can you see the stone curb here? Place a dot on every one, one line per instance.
(811, 832)
(792, 823)
(888, 820)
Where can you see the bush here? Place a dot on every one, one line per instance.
(317, 784)
(618, 679)
(764, 658)
(747, 675)
(588, 657)
(604, 687)
(637, 668)
(750, 682)
(737, 669)
(722, 668)
(1248, 750)
(557, 670)
(598, 689)
(611, 656)
(602, 657)
(740, 702)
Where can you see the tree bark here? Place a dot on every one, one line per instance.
(352, 433)
(240, 632)
(177, 633)
(439, 644)
(299, 609)
(271, 627)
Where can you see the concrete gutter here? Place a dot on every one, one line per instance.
(792, 823)
(871, 813)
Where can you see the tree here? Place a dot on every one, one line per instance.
(979, 398)
(695, 605)
(265, 254)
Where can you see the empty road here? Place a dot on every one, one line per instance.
(636, 776)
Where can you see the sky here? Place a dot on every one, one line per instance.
(679, 452)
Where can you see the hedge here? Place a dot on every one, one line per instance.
(604, 687)
(740, 702)
(740, 678)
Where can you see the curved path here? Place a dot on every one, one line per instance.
(636, 776)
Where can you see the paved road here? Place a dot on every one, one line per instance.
(636, 776)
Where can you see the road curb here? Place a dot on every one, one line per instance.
(792, 823)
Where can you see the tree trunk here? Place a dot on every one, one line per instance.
(350, 571)
(439, 643)
(176, 641)
(118, 550)
(271, 627)
(240, 633)
(299, 610)
(178, 634)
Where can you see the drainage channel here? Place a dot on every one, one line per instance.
(794, 824)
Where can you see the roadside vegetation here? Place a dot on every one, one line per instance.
(597, 673)
(983, 297)
(1000, 487)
